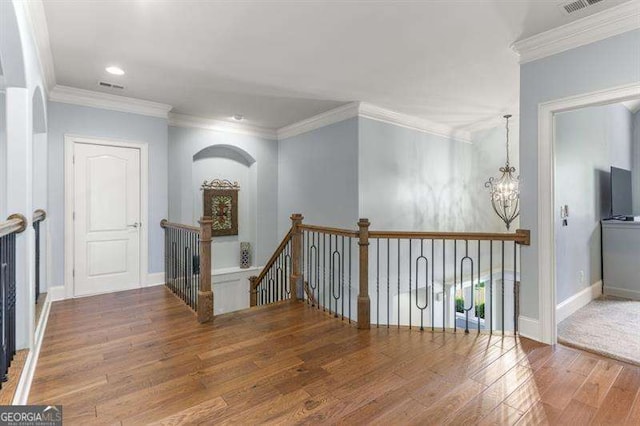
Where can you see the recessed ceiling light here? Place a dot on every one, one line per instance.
(238, 117)
(115, 70)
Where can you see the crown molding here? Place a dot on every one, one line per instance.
(607, 23)
(72, 95)
(373, 112)
(377, 113)
(37, 20)
(332, 116)
(190, 121)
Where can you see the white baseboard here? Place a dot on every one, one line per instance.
(156, 278)
(529, 328)
(21, 396)
(622, 292)
(567, 307)
(56, 293)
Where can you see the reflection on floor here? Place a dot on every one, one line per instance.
(607, 326)
(139, 356)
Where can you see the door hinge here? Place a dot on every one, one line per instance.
(73, 273)
(74, 215)
(73, 160)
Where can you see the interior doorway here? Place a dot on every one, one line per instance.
(105, 192)
(597, 240)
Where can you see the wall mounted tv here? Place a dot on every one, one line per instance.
(621, 204)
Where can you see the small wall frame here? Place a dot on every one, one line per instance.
(220, 202)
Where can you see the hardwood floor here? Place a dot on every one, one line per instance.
(140, 357)
(13, 377)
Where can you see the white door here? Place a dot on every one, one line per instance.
(107, 218)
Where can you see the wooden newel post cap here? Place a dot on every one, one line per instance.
(296, 217)
(163, 223)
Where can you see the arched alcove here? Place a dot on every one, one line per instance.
(236, 165)
(11, 57)
(12, 74)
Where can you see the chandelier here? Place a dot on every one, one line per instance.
(505, 192)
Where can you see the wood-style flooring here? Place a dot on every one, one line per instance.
(13, 377)
(140, 357)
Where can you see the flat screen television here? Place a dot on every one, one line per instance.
(621, 204)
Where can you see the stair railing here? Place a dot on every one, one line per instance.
(14, 225)
(436, 280)
(187, 267)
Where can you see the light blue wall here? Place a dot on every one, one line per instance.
(85, 121)
(3, 157)
(184, 143)
(412, 180)
(318, 176)
(635, 169)
(611, 62)
(588, 142)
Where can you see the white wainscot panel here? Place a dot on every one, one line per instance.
(231, 289)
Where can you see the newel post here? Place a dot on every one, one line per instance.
(205, 294)
(253, 295)
(295, 283)
(364, 304)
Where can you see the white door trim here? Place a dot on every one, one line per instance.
(546, 188)
(69, 140)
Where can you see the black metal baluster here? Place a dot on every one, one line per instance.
(455, 289)
(388, 283)
(398, 283)
(410, 307)
(502, 325)
(444, 287)
(426, 283)
(490, 287)
(324, 271)
(36, 228)
(335, 295)
(516, 293)
(342, 278)
(433, 286)
(477, 311)
(471, 290)
(377, 282)
(350, 247)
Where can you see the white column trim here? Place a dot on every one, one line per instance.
(546, 194)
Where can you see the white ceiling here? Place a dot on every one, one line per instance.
(278, 62)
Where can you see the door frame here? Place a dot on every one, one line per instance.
(546, 194)
(69, 141)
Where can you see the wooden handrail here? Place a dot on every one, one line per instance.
(255, 282)
(164, 223)
(14, 223)
(39, 215)
(327, 230)
(521, 236)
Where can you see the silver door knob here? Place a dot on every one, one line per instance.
(135, 225)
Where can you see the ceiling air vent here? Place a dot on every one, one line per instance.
(577, 5)
(110, 85)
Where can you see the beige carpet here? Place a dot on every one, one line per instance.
(607, 326)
